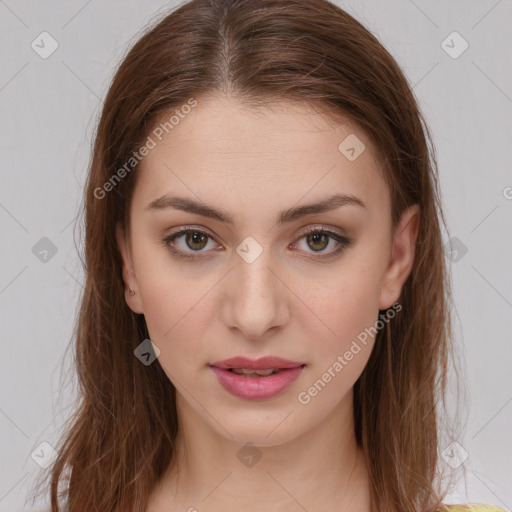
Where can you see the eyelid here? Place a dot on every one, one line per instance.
(191, 227)
(322, 227)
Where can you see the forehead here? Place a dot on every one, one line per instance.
(250, 157)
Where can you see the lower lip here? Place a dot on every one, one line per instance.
(256, 388)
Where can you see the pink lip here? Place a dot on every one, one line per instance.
(256, 388)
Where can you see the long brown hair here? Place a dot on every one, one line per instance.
(120, 440)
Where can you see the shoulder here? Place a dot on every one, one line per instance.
(472, 507)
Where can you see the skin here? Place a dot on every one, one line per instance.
(289, 302)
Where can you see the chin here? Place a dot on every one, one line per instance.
(268, 431)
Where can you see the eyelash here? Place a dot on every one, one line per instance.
(343, 241)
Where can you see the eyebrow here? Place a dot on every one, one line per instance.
(286, 216)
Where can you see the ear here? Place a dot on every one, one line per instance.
(134, 301)
(402, 257)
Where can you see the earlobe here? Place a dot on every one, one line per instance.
(130, 281)
(402, 257)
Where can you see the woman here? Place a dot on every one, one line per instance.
(265, 322)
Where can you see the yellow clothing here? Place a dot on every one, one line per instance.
(472, 507)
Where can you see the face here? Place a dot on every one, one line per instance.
(255, 279)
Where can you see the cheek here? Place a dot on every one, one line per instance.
(172, 310)
(170, 296)
(341, 343)
(345, 306)
(173, 314)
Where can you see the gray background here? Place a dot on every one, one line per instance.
(49, 108)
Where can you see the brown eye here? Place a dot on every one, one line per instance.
(187, 243)
(317, 240)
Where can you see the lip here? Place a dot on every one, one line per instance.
(263, 363)
(257, 388)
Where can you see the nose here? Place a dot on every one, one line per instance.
(255, 298)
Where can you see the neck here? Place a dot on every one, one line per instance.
(322, 469)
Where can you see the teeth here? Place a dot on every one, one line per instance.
(264, 373)
(270, 371)
(241, 371)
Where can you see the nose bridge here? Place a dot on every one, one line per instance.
(255, 301)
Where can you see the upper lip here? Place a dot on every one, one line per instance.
(263, 363)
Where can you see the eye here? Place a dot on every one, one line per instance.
(319, 239)
(195, 240)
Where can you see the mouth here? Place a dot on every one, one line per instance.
(259, 379)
